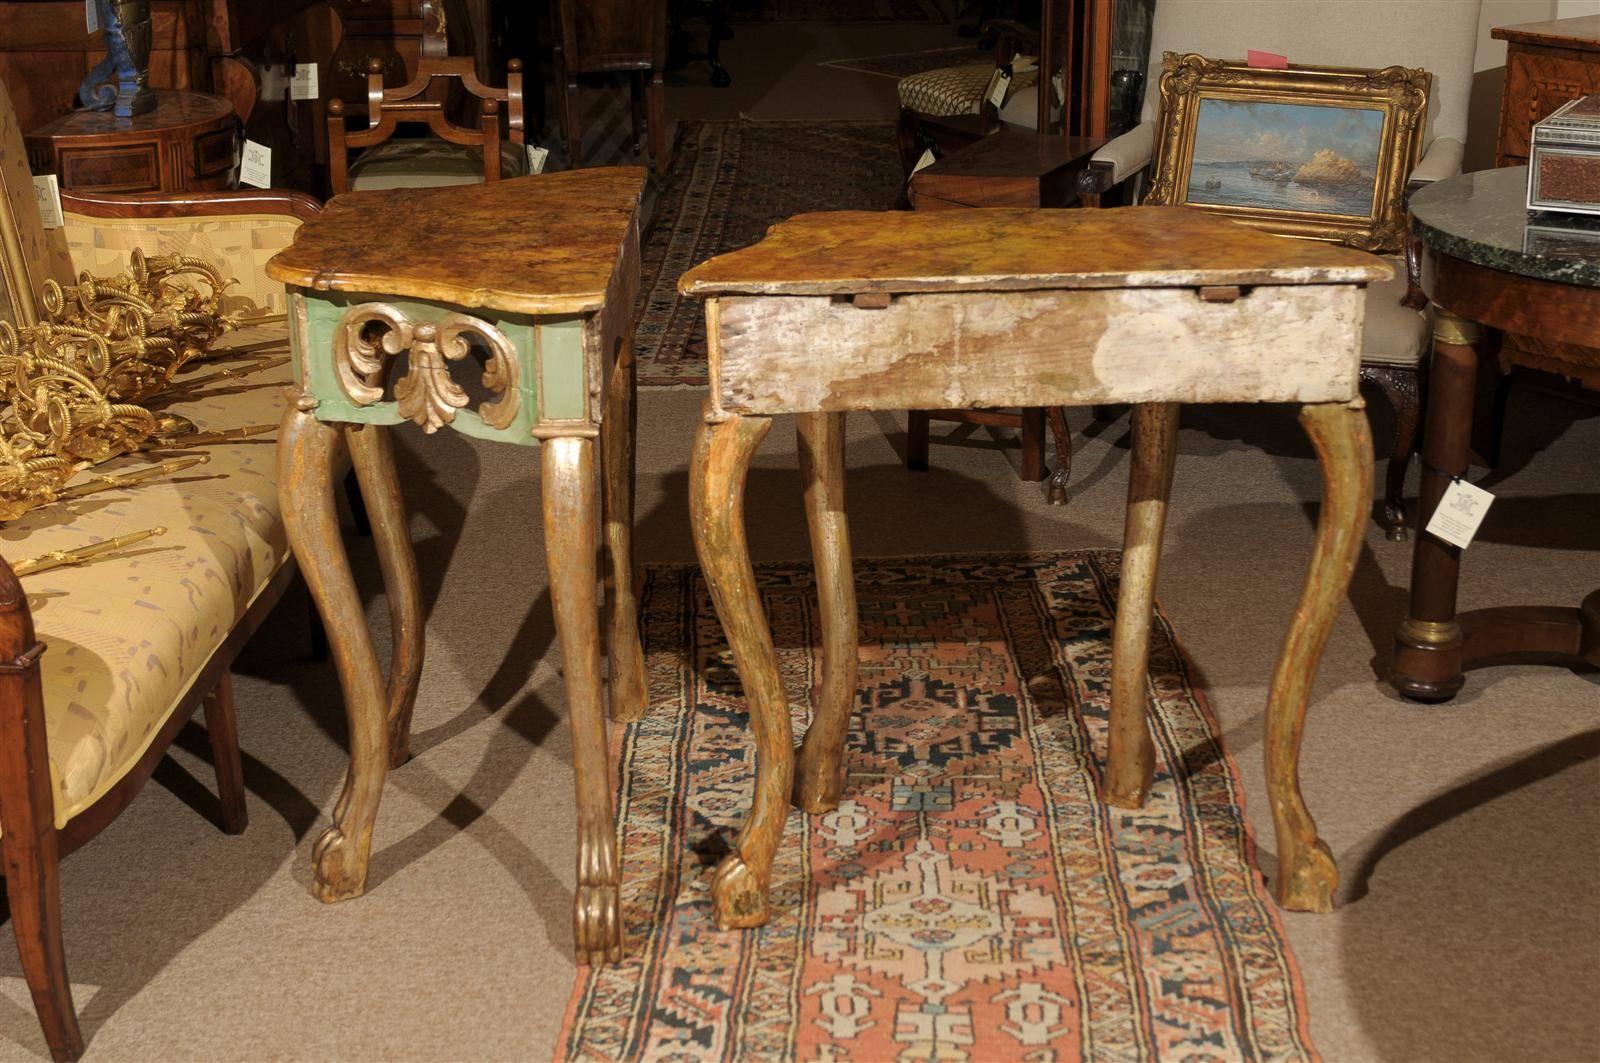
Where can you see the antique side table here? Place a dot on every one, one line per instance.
(1489, 264)
(536, 276)
(1153, 306)
(189, 143)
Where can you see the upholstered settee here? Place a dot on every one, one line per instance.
(102, 664)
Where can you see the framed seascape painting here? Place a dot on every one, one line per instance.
(1313, 152)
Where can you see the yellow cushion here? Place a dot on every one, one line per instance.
(127, 633)
(956, 90)
(429, 162)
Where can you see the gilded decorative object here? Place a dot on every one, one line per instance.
(371, 333)
(1325, 196)
(121, 81)
(62, 558)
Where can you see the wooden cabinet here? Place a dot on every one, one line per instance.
(1547, 64)
(188, 143)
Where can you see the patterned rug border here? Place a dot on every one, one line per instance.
(892, 569)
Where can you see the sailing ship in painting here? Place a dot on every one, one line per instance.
(1286, 156)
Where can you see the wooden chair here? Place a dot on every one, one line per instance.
(610, 37)
(1075, 42)
(453, 154)
(1439, 36)
(84, 717)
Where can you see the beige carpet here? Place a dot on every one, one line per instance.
(1469, 926)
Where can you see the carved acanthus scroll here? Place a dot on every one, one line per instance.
(372, 333)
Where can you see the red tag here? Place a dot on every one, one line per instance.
(1266, 60)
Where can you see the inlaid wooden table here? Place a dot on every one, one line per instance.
(1154, 306)
(537, 277)
(188, 143)
(1487, 265)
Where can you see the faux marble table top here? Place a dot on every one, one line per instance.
(1483, 218)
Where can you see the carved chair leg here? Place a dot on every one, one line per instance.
(573, 110)
(373, 457)
(1402, 387)
(571, 531)
(625, 655)
(656, 98)
(307, 450)
(723, 447)
(28, 840)
(1063, 474)
(1343, 441)
(1131, 756)
(222, 728)
(820, 778)
(917, 422)
(1032, 435)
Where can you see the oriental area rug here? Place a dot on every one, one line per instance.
(727, 184)
(972, 897)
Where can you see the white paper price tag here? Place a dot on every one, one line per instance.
(998, 85)
(48, 195)
(537, 157)
(303, 86)
(256, 169)
(1460, 511)
(1060, 84)
(923, 163)
(91, 15)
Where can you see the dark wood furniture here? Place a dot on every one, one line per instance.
(1488, 270)
(611, 37)
(388, 35)
(1547, 64)
(189, 143)
(714, 13)
(1014, 167)
(421, 102)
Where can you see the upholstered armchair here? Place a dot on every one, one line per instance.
(1439, 36)
(101, 665)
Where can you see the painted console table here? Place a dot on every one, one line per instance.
(1153, 306)
(539, 274)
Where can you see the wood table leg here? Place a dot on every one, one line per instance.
(372, 454)
(307, 449)
(1059, 479)
(1428, 645)
(571, 533)
(1343, 441)
(625, 654)
(820, 778)
(723, 447)
(1131, 756)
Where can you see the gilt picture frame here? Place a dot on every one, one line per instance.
(1321, 153)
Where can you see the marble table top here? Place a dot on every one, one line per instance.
(1483, 218)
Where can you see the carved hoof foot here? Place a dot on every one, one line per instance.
(597, 924)
(1057, 495)
(739, 895)
(816, 793)
(630, 698)
(1394, 523)
(341, 870)
(1306, 878)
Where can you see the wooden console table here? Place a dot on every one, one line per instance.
(436, 272)
(1154, 306)
(189, 143)
(1486, 267)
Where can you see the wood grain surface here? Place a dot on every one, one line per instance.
(548, 244)
(1011, 249)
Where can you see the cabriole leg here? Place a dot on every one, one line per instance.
(571, 532)
(820, 778)
(723, 447)
(1343, 441)
(373, 456)
(307, 450)
(625, 655)
(1131, 756)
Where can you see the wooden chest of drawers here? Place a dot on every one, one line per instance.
(1547, 64)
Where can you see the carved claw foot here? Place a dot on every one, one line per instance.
(340, 867)
(1306, 879)
(739, 896)
(1057, 495)
(1120, 796)
(1394, 523)
(817, 788)
(597, 924)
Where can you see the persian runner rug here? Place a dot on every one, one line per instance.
(727, 184)
(836, 11)
(972, 897)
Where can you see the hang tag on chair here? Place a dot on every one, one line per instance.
(303, 86)
(91, 15)
(48, 195)
(1459, 513)
(999, 84)
(923, 163)
(255, 171)
(537, 157)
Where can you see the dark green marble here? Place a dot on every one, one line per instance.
(1483, 218)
